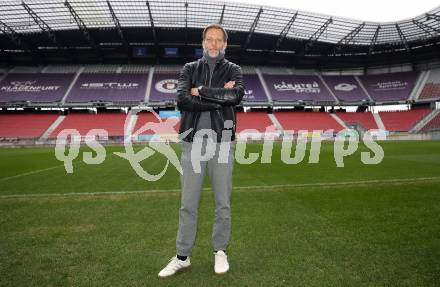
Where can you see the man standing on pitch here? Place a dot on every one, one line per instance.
(208, 91)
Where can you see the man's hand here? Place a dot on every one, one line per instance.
(229, 85)
(195, 92)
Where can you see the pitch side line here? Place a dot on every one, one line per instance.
(30, 172)
(254, 188)
(78, 161)
(35, 171)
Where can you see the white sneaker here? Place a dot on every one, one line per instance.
(221, 265)
(174, 265)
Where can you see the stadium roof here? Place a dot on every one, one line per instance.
(61, 21)
(371, 10)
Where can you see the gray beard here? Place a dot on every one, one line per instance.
(220, 55)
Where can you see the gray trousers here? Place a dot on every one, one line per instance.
(191, 184)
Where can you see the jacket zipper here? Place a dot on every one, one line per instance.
(210, 75)
(198, 114)
(209, 85)
(219, 113)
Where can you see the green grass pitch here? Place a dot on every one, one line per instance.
(292, 225)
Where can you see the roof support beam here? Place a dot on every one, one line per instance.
(432, 16)
(314, 38)
(42, 24)
(186, 52)
(17, 39)
(348, 38)
(403, 39)
(222, 15)
(428, 29)
(119, 29)
(252, 30)
(83, 28)
(374, 40)
(153, 29)
(284, 32)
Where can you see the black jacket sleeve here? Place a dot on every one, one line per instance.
(187, 102)
(225, 96)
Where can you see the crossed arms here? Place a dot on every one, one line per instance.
(205, 99)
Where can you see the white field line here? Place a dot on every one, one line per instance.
(34, 171)
(42, 170)
(235, 189)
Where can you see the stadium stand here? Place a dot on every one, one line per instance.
(275, 70)
(25, 125)
(297, 88)
(92, 69)
(393, 87)
(164, 84)
(113, 123)
(148, 117)
(364, 119)
(254, 92)
(346, 88)
(135, 69)
(431, 90)
(167, 69)
(307, 121)
(248, 69)
(402, 120)
(254, 120)
(117, 88)
(22, 84)
(34, 87)
(433, 124)
(26, 69)
(61, 69)
(126, 85)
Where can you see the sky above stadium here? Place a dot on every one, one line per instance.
(364, 10)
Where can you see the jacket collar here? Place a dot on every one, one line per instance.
(223, 60)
